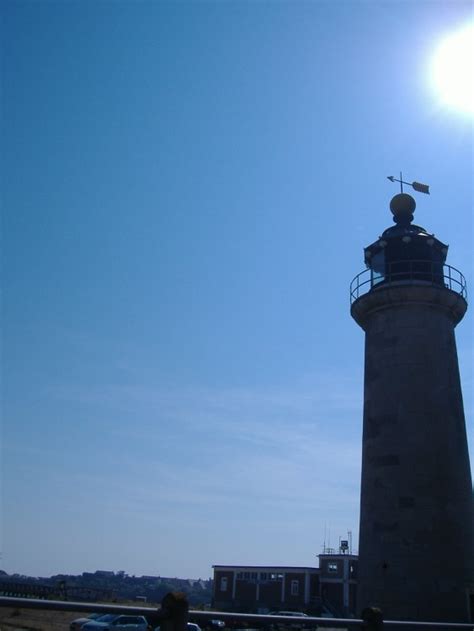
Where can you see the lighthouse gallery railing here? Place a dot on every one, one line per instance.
(408, 271)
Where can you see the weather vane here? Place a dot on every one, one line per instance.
(421, 188)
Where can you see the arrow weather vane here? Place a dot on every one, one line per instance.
(421, 188)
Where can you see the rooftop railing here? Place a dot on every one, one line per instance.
(409, 272)
(235, 621)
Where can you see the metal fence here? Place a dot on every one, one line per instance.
(408, 272)
(241, 621)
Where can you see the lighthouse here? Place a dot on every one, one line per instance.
(416, 537)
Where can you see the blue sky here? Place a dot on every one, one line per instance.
(187, 191)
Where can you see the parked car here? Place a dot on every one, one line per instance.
(191, 627)
(214, 624)
(114, 622)
(325, 613)
(293, 614)
(79, 622)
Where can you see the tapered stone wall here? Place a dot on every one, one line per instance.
(416, 524)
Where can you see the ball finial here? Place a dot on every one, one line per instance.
(402, 207)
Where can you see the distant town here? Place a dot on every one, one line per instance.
(104, 585)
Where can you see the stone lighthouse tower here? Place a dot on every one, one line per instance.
(416, 556)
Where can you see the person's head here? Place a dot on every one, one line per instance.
(372, 619)
(175, 602)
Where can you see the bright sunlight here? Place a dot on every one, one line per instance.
(453, 69)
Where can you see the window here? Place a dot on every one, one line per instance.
(295, 588)
(332, 567)
(253, 576)
(240, 575)
(263, 576)
(377, 265)
(223, 583)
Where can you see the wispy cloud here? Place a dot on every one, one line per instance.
(274, 445)
(214, 460)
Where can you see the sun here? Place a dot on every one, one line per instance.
(453, 69)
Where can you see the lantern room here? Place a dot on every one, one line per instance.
(405, 251)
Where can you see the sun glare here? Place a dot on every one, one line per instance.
(453, 69)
